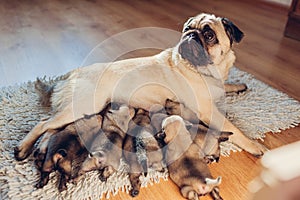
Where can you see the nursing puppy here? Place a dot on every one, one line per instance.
(207, 139)
(144, 132)
(141, 150)
(192, 72)
(65, 153)
(106, 148)
(187, 168)
(85, 128)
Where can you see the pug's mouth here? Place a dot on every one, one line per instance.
(193, 50)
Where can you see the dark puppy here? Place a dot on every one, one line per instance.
(65, 153)
(141, 150)
(86, 128)
(64, 150)
(186, 166)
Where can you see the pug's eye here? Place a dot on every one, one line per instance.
(209, 36)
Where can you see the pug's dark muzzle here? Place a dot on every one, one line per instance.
(192, 49)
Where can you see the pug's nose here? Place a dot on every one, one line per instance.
(193, 35)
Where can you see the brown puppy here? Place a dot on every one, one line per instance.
(187, 168)
(141, 150)
(106, 147)
(192, 72)
(145, 135)
(86, 128)
(207, 139)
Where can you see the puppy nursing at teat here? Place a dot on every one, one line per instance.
(141, 150)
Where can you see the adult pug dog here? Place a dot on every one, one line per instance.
(192, 72)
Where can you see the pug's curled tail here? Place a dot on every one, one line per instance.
(44, 90)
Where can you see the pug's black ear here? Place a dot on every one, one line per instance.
(232, 31)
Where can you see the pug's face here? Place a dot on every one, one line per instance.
(206, 40)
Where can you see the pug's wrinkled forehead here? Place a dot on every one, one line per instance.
(199, 21)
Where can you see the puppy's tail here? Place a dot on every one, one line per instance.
(44, 90)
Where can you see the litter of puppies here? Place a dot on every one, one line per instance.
(160, 141)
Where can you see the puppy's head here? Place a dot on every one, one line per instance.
(95, 160)
(207, 39)
(172, 127)
(120, 115)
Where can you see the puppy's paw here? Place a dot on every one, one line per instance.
(75, 180)
(39, 185)
(42, 182)
(39, 158)
(102, 178)
(211, 158)
(62, 186)
(192, 195)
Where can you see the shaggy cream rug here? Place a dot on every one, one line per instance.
(259, 110)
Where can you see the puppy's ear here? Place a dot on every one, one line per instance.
(193, 51)
(232, 31)
(61, 153)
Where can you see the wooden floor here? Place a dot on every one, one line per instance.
(51, 37)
